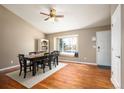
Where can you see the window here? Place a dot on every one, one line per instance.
(67, 45)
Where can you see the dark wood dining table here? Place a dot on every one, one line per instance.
(33, 59)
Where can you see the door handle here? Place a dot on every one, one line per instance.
(118, 56)
(98, 48)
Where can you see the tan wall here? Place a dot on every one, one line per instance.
(85, 43)
(16, 36)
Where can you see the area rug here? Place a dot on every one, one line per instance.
(30, 80)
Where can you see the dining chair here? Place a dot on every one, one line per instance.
(57, 53)
(47, 60)
(53, 58)
(24, 65)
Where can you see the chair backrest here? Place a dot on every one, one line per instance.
(53, 53)
(56, 52)
(53, 56)
(21, 59)
(46, 54)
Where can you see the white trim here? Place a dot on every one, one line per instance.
(9, 67)
(79, 62)
(114, 83)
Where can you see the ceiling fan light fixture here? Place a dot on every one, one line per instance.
(52, 15)
(52, 19)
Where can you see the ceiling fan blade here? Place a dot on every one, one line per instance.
(59, 16)
(44, 13)
(46, 19)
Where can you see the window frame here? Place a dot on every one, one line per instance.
(65, 53)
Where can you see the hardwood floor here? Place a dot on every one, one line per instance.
(72, 76)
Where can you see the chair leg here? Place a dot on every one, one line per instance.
(55, 62)
(25, 72)
(43, 68)
(20, 71)
(49, 63)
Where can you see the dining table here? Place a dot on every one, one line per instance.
(33, 58)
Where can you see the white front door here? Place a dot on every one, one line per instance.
(116, 47)
(103, 48)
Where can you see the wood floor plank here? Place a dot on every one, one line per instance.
(72, 76)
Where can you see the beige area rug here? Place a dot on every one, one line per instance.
(30, 80)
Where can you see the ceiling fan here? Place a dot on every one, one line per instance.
(51, 15)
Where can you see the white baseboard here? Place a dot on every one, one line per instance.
(9, 67)
(114, 83)
(79, 62)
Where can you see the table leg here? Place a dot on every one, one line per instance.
(34, 69)
(49, 63)
(57, 60)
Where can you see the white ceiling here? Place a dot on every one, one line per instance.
(75, 16)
